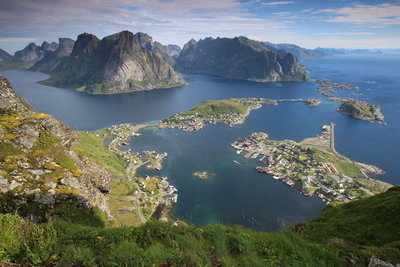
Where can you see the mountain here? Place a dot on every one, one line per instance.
(239, 58)
(30, 53)
(4, 56)
(174, 50)
(300, 52)
(47, 47)
(41, 176)
(51, 59)
(119, 63)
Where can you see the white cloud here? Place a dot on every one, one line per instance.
(277, 3)
(386, 14)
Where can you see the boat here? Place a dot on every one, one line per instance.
(238, 152)
(236, 162)
(276, 177)
(262, 158)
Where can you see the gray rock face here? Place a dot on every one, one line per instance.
(30, 53)
(32, 177)
(239, 58)
(123, 62)
(174, 50)
(44, 199)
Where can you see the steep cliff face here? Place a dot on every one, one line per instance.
(123, 62)
(174, 50)
(39, 170)
(239, 58)
(30, 53)
(52, 58)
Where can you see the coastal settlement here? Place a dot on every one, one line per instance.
(313, 166)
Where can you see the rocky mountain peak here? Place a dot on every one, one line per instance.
(45, 47)
(30, 53)
(85, 45)
(65, 47)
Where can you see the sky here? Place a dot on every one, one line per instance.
(308, 23)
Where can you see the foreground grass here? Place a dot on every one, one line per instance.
(155, 243)
(359, 229)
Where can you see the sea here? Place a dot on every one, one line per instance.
(238, 194)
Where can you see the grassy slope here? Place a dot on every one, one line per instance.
(214, 107)
(154, 243)
(364, 227)
(91, 146)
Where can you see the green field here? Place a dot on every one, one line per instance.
(91, 146)
(215, 107)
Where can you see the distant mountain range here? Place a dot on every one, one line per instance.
(26, 57)
(239, 58)
(127, 62)
(317, 53)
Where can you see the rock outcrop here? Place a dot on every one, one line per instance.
(362, 110)
(39, 170)
(119, 63)
(239, 58)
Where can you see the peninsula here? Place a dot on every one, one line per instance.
(132, 199)
(313, 166)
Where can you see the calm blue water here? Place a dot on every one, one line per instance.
(238, 194)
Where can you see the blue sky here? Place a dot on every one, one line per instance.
(308, 23)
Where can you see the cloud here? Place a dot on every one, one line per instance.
(168, 21)
(277, 3)
(385, 14)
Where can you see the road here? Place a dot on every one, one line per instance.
(142, 218)
(332, 139)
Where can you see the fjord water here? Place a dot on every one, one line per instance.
(238, 194)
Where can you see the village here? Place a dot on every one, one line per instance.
(311, 167)
(195, 121)
(149, 192)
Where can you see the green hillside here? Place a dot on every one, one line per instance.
(359, 229)
(214, 107)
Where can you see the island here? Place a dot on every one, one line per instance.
(361, 110)
(235, 111)
(228, 111)
(326, 87)
(313, 166)
(204, 175)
